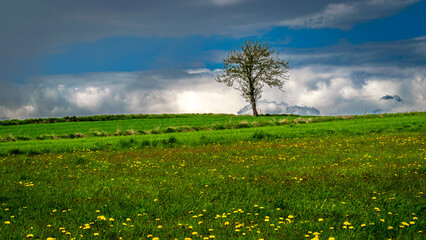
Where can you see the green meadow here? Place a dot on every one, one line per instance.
(212, 176)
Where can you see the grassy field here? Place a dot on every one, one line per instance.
(358, 178)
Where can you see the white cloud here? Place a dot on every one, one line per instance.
(333, 90)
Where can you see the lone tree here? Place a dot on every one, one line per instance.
(252, 65)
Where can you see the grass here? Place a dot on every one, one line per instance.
(360, 178)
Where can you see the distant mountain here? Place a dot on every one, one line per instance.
(272, 107)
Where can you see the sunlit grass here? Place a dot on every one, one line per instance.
(342, 185)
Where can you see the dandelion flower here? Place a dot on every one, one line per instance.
(30, 235)
(320, 219)
(96, 234)
(7, 222)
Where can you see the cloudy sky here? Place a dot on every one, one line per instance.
(80, 57)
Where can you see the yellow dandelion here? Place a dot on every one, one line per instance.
(290, 216)
(30, 235)
(7, 222)
(159, 226)
(320, 219)
(363, 225)
(194, 233)
(390, 227)
(96, 234)
(155, 238)
(211, 236)
(331, 238)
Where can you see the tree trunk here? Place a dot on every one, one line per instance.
(253, 106)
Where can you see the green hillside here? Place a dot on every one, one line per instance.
(216, 177)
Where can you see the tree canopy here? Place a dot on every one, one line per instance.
(248, 67)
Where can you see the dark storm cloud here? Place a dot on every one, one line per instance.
(32, 28)
(401, 53)
(394, 97)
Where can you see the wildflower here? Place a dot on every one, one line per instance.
(347, 223)
(390, 227)
(320, 219)
(363, 225)
(111, 219)
(290, 216)
(50, 238)
(96, 234)
(7, 222)
(226, 223)
(155, 238)
(103, 218)
(30, 235)
(194, 233)
(331, 238)
(159, 226)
